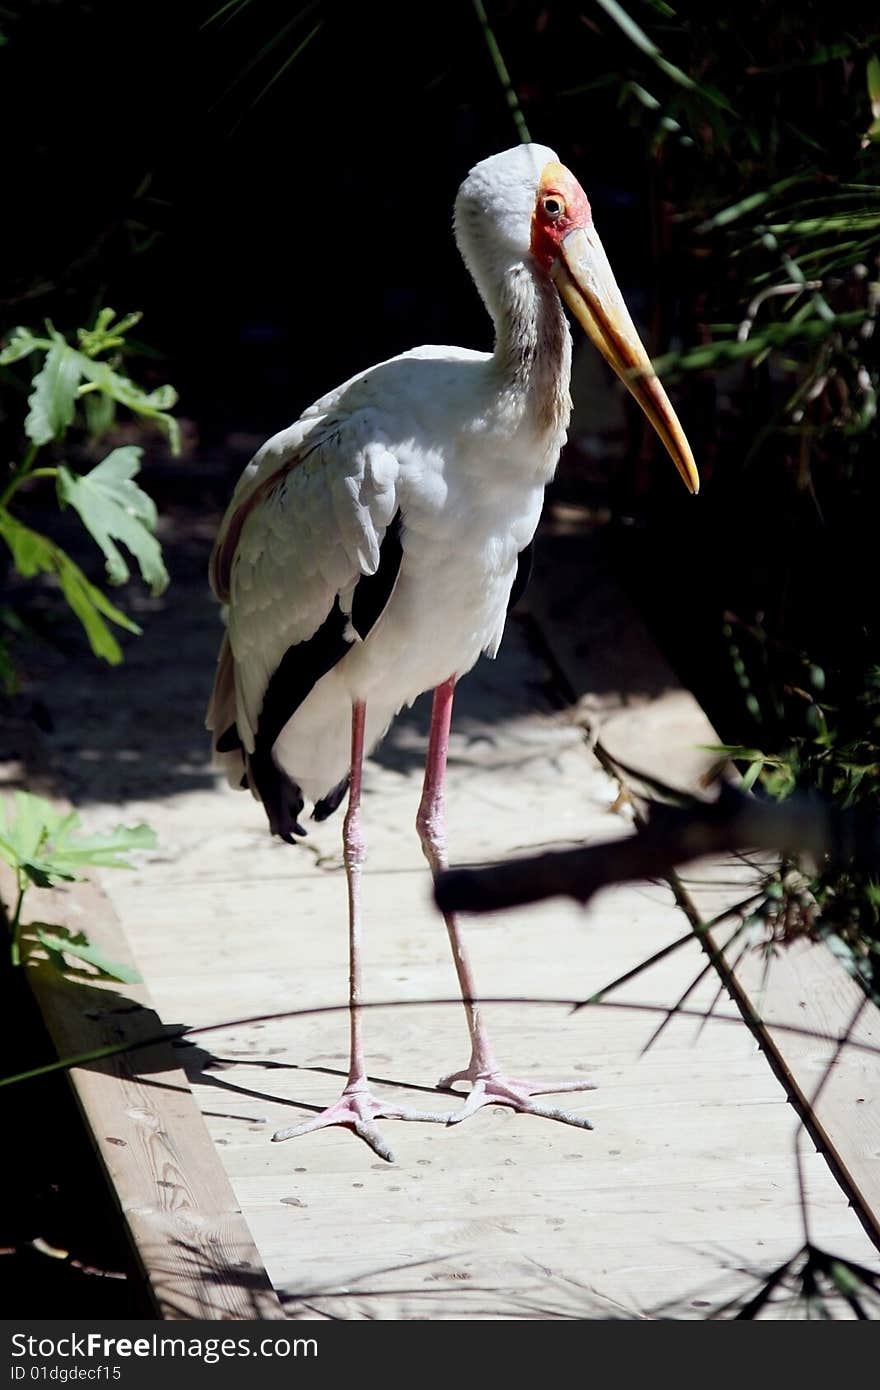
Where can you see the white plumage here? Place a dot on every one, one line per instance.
(369, 551)
(462, 443)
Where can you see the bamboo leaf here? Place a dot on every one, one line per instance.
(873, 75)
(646, 45)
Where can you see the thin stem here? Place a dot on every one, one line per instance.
(15, 925)
(19, 474)
(495, 54)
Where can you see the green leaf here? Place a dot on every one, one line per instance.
(67, 945)
(637, 36)
(35, 818)
(100, 413)
(151, 406)
(53, 398)
(35, 554)
(772, 335)
(747, 204)
(750, 777)
(163, 398)
(46, 839)
(105, 851)
(112, 507)
(21, 344)
(873, 76)
(734, 750)
(23, 838)
(105, 335)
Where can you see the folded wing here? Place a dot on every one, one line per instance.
(306, 560)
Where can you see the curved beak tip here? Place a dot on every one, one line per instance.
(587, 285)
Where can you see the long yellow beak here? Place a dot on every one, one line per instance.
(587, 285)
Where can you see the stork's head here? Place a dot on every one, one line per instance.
(523, 206)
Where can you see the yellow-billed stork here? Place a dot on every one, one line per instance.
(370, 551)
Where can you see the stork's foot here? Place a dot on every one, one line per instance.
(493, 1088)
(358, 1109)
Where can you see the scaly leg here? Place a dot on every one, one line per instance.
(489, 1085)
(357, 1107)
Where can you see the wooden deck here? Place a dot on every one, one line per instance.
(686, 1190)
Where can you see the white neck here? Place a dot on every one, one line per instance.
(532, 356)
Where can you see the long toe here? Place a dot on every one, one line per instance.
(358, 1110)
(494, 1088)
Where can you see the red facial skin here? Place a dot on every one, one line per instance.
(548, 232)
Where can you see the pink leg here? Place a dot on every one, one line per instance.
(489, 1085)
(357, 1107)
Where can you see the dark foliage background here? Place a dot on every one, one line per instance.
(273, 187)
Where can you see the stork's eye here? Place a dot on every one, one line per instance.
(554, 208)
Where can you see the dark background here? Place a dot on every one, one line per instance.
(272, 185)
(290, 239)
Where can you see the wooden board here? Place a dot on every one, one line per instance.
(823, 1035)
(800, 997)
(186, 1229)
(685, 1191)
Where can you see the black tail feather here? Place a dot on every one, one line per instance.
(328, 804)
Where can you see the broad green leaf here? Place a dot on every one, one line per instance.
(35, 818)
(53, 398)
(21, 344)
(52, 939)
(25, 836)
(57, 386)
(44, 874)
(36, 554)
(151, 406)
(104, 850)
(113, 508)
(45, 843)
(100, 413)
(92, 607)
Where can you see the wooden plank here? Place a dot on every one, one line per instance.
(664, 733)
(823, 1034)
(685, 1185)
(686, 1188)
(691, 1150)
(187, 1232)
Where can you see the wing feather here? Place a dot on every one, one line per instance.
(306, 522)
